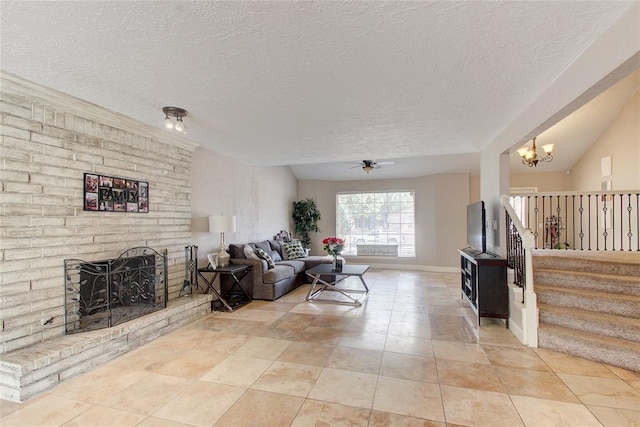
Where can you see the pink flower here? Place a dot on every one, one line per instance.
(333, 245)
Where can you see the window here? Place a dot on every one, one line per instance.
(519, 202)
(377, 218)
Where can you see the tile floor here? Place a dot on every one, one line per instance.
(410, 356)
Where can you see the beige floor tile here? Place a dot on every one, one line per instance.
(156, 389)
(408, 329)
(262, 348)
(221, 343)
(51, 411)
(160, 422)
(399, 316)
(366, 340)
(532, 383)
(272, 305)
(494, 332)
(331, 321)
(146, 358)
(191, 364)
(379, 302)
(93, 386)
(624, 373)
(409, 345)
(355, 359)
(445, 309)
(379, 418)
(7, 407)
(612, 417)
(452, 328)
(479, 408)
(411, 398)
(409, 367)
(377, 326)
(307, 353)
(288, 378)
(345, 387)
(259, 408)
(316, 413)
(372, 313)
(410, 307)
(610, 392)
(322, 335)
(100, 416)
(567, 364)
(460, 351)
(478, 376)
(519, 358)
(201, 404)
(237, 370)
(307, 308)
(550, 413)
(256, 315)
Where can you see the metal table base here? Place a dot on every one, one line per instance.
(320, 285)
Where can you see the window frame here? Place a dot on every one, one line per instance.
(400, 231)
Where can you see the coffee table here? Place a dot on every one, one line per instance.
(325, 280)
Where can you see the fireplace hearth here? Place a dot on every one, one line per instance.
(105, 293)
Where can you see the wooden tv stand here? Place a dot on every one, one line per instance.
(484, 283)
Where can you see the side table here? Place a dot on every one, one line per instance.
(235, 296)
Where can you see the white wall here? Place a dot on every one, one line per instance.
(621, 141)
(261, 198)
(441, 202)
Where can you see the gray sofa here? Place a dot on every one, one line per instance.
(269, 284)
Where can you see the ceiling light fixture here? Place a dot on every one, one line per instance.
(530, 156)
(173, 118)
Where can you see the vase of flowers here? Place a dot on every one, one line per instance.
(333, 246)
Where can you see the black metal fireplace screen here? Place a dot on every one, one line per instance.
(105, 293)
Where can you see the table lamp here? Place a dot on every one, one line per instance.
(221, 224)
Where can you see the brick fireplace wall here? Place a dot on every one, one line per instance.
(48, 141)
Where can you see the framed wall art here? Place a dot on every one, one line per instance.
(111, 194)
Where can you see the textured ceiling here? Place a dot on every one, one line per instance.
(299, 83)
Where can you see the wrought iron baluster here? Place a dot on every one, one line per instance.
(581, 210)
(535, 233)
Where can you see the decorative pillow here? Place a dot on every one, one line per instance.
(293, 250)
(236, 251)
(264, 245)
(275, 256)
(265, 256)
(249, 252)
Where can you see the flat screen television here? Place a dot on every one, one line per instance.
(476, 230)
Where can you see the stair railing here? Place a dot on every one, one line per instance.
(520, 243)
(592, 221)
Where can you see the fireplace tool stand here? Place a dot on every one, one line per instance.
(190, 271)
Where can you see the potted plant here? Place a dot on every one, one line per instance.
(305, 218)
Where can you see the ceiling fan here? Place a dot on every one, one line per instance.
(369, 165)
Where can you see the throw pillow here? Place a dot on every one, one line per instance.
(275, 256)
(265, 256)
(249, 252)
(264, 245)
(294, 250)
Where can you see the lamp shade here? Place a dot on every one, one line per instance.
(222, 224)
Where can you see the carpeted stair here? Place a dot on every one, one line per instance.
(589, 305)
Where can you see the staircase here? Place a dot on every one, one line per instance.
(589, 305)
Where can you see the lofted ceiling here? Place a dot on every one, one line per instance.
(315, 85)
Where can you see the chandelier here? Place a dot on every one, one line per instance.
(531, 158)
(173, 118)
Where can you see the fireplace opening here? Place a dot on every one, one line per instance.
(108, 292)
